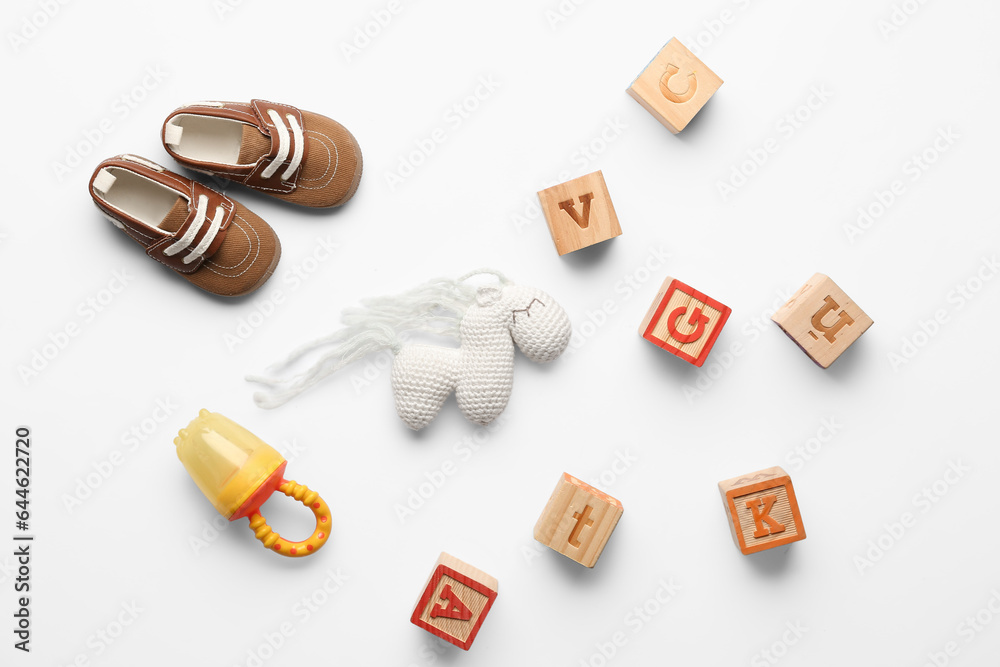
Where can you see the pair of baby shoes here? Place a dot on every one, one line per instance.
(209, 239)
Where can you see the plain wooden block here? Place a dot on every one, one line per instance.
(674, 86)
(455, 601)
(684, 322)
(579, 213)
(762, 510)
(578, 520)
(822, 320)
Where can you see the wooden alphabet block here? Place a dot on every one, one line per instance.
(578, 520)
(455, 601)
(684, 322)
(822, 320)
(762, 510)
(579, 213)
(674, 86)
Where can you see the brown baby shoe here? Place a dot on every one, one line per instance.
(294, 155)
(205, 236)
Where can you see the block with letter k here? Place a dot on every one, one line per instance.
(762, 510)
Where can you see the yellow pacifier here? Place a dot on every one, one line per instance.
(237, 472)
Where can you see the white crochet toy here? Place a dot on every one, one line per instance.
(487, 322)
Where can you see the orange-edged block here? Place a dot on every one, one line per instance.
(579, 213)
(822, 320)
(674, 86)
(684, 322)
(762, 510)
(455, 601)
(578, 520)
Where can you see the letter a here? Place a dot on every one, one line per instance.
(452, 608)
(760, 510)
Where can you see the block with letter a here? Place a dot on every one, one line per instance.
(684, 322)
(674, 86)
(822, 320)
(455, 601)
(762, 510)
(578, 520)
(579, 213)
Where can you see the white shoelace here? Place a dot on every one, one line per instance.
(283, 146)
(189, 236)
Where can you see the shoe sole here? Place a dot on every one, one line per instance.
(357, 174)
(267, 274)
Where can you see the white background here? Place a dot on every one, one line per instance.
(134, 539)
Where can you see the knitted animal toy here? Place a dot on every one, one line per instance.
(487, 322)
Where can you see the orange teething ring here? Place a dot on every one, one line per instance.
(310, 545)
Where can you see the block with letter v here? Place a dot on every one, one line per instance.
(579, 213)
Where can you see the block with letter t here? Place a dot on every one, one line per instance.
(762, 510)
(578, 520)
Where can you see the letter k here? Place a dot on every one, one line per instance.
(760, 510)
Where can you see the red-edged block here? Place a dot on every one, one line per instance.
(684, 321)
(455, 601)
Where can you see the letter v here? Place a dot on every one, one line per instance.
(582, 220)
